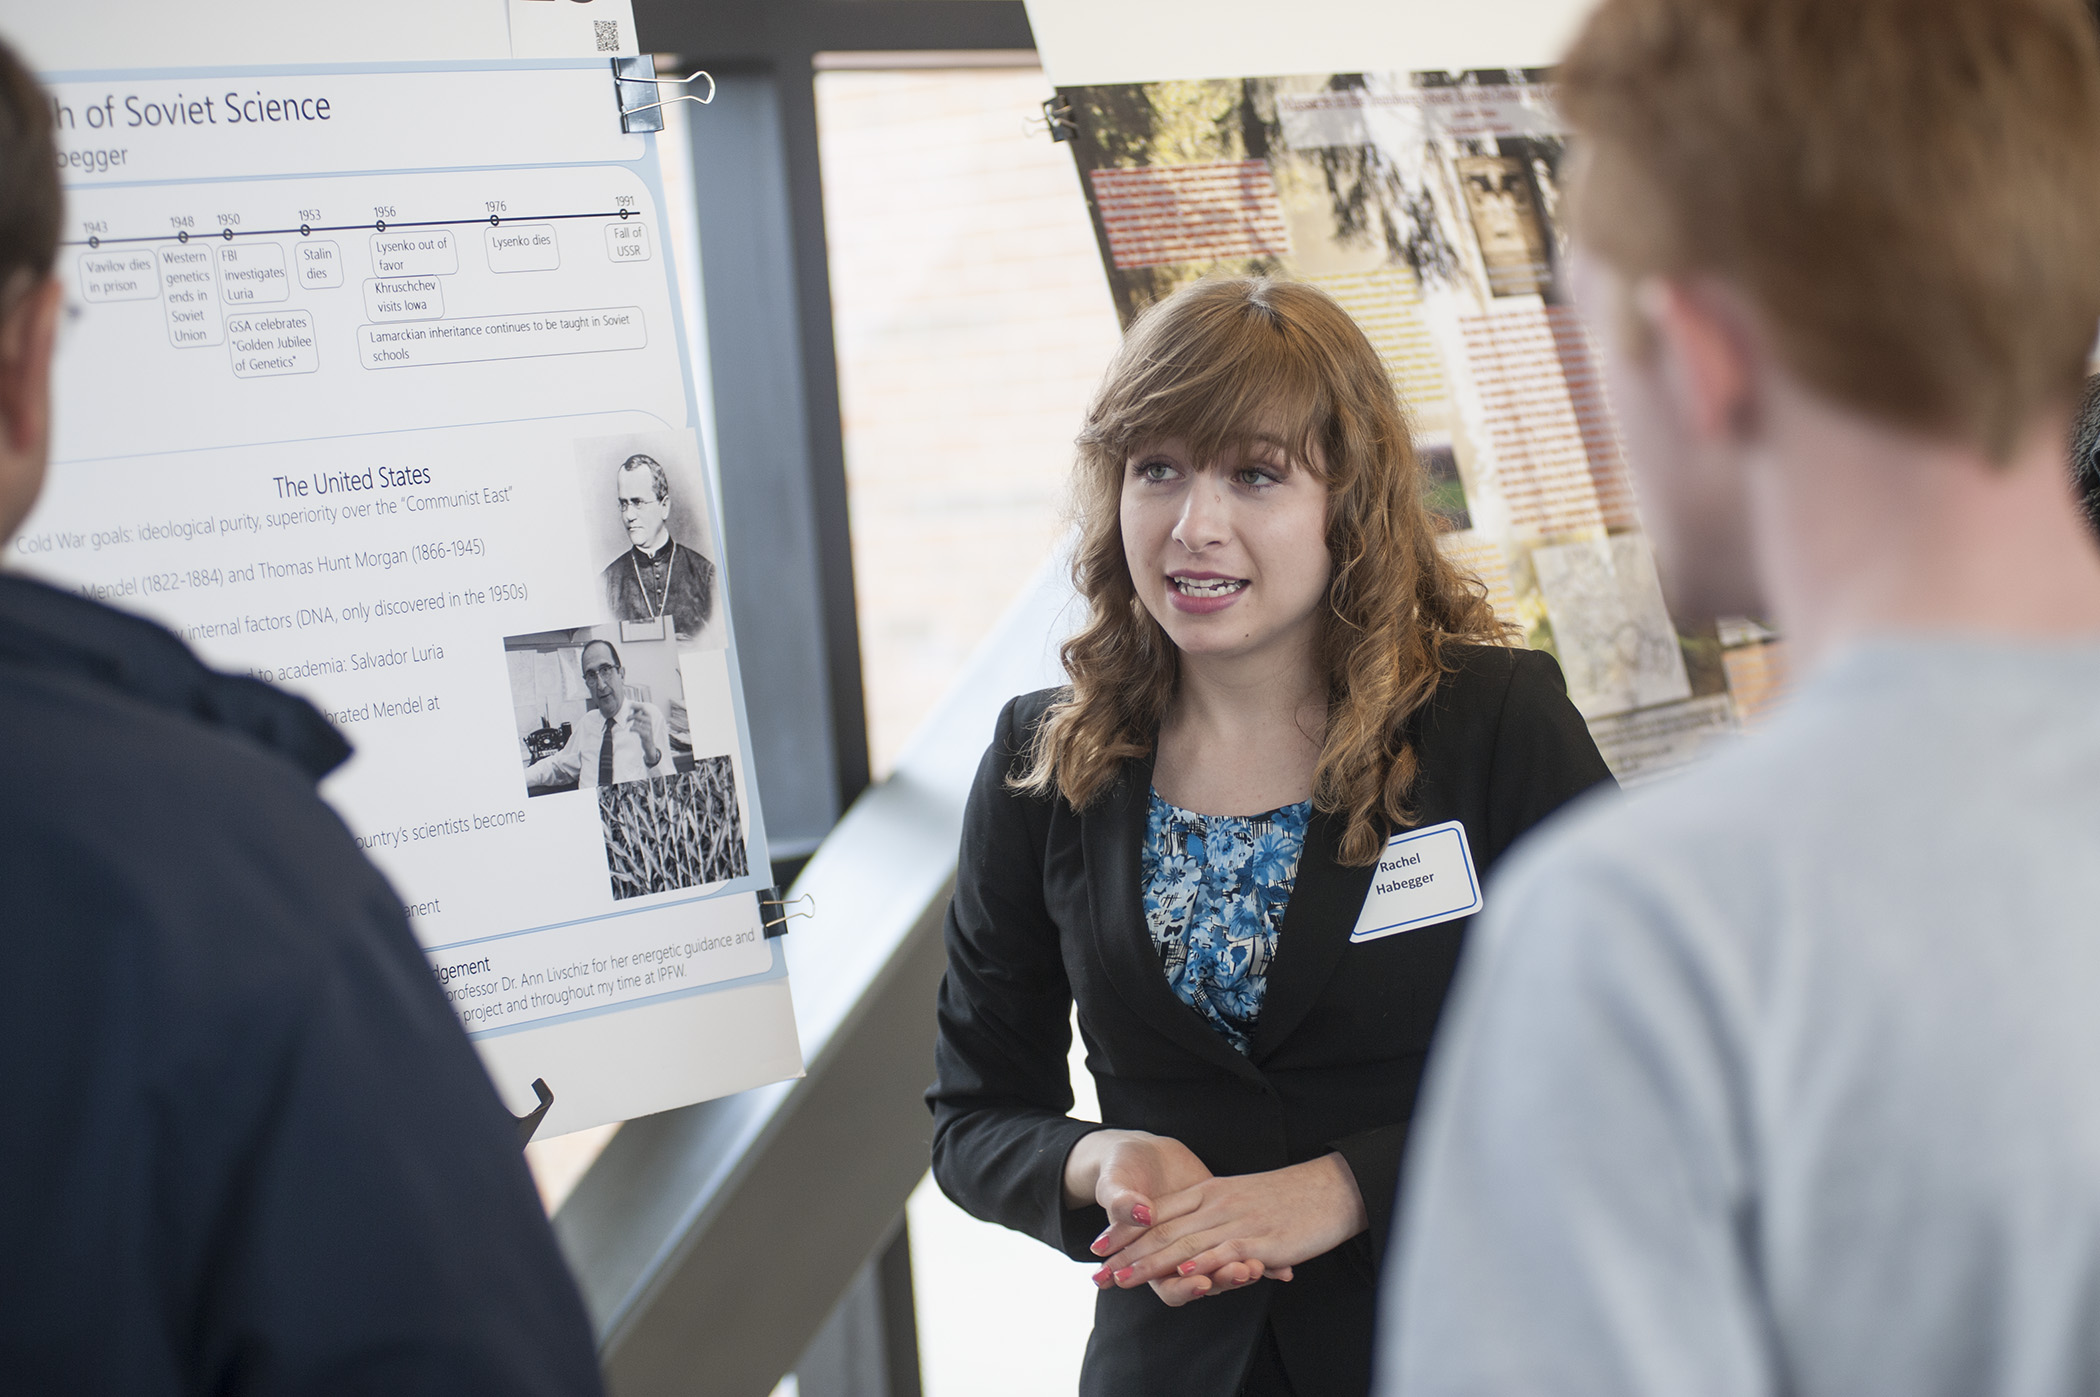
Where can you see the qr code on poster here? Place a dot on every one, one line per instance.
(608, 35)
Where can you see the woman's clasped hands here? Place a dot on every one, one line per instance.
(1188, 1233)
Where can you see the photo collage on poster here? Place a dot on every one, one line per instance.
(631, 709)
(1428, 205)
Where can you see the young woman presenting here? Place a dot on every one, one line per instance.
(1279, 673)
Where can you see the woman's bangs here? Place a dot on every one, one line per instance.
(1252, 393)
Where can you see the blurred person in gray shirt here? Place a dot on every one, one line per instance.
(1785, 1077)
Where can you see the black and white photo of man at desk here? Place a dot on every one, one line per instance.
(619, 737)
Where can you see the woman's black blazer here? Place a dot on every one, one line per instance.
(1047, 910)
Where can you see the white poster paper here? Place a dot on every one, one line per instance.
(376, 389)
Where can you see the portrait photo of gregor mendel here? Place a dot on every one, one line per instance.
(662, 575)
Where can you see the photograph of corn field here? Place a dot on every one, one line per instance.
(673, 832)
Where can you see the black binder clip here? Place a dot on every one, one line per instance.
(1057, 119)
(771, 902)
(530, 1121)
(632, 74)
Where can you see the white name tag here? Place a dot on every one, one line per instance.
(1425, 876)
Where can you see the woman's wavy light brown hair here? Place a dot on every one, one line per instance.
(1218, 365)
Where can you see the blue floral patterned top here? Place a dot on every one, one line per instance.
(1215, 890)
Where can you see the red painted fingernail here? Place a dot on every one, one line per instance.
(1185, 1267)
(1100, 1246)
(1123, 1276)
(1101, 1278)
(1143, 1215)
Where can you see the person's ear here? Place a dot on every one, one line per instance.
(1706, 346)
(28, 336)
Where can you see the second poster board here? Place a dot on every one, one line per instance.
(1428, 203)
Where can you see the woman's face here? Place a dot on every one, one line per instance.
(1229, 556)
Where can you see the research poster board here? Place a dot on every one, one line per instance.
(1427, 202)
(373, 384)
